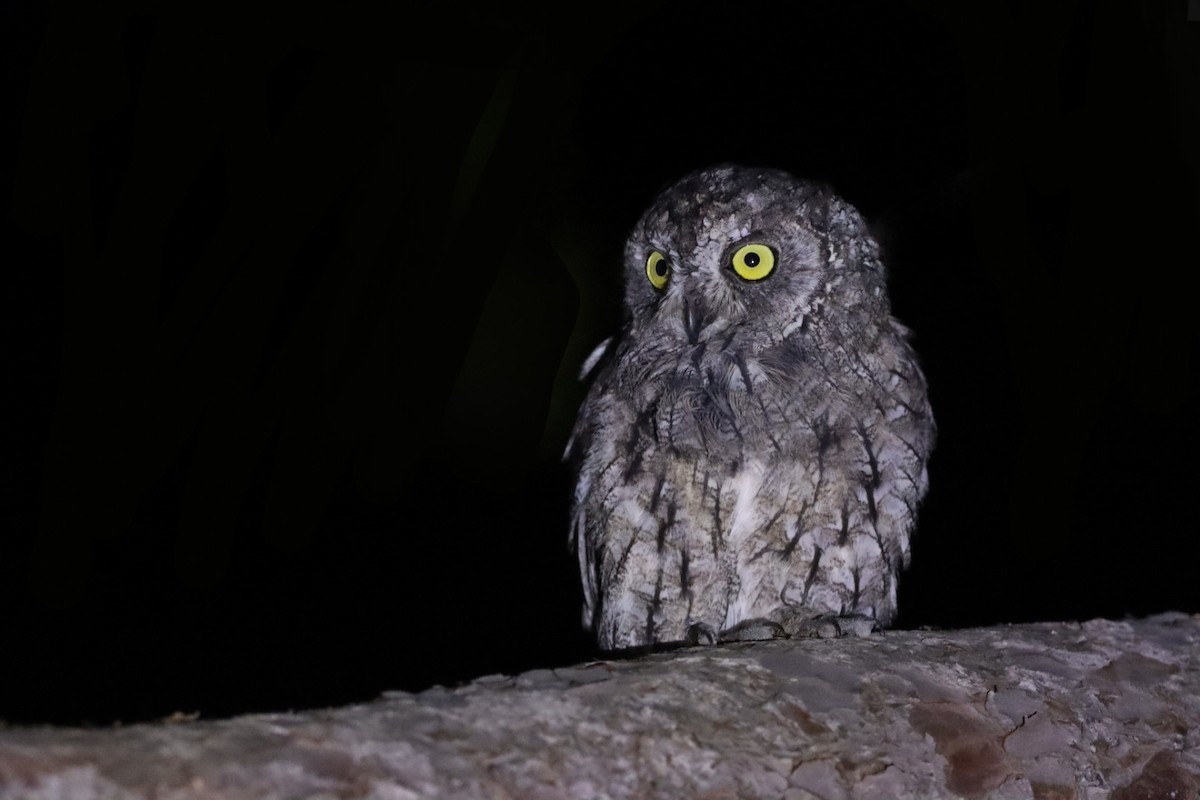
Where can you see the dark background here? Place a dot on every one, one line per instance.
(292, 308)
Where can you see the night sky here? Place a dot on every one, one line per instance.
(292, 311)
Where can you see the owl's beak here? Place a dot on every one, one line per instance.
(694, 321)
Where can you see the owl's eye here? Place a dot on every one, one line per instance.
(754, 261)
(658, 269)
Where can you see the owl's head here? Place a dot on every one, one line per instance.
(754, 250)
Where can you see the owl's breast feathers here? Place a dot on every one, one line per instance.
(745, 479)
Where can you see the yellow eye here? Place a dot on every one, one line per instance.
(754, 261)
(658, 269)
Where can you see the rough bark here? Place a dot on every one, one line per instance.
(1048, 710)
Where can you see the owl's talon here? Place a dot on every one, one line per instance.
(857, 625)
(700, 634)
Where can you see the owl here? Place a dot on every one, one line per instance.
(752, 450)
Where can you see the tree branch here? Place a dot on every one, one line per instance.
(1047, 710)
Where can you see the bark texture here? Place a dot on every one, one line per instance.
(1047, 710)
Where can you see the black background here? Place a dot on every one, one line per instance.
(293, 305)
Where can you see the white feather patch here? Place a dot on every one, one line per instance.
(743, 522)
(793, 326)
(590, 362)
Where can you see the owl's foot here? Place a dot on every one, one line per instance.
(753, 630)
(783, 626)
(831, 626)
(750, 630)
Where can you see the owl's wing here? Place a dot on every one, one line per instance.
(576, 450)
(589, 365)
(587, 566)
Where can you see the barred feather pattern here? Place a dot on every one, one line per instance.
(749, 450)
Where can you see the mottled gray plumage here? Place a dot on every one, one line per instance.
(752, 451)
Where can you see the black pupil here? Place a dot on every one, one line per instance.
(751, 259)
(660, 268)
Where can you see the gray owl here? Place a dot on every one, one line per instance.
(753, 449)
